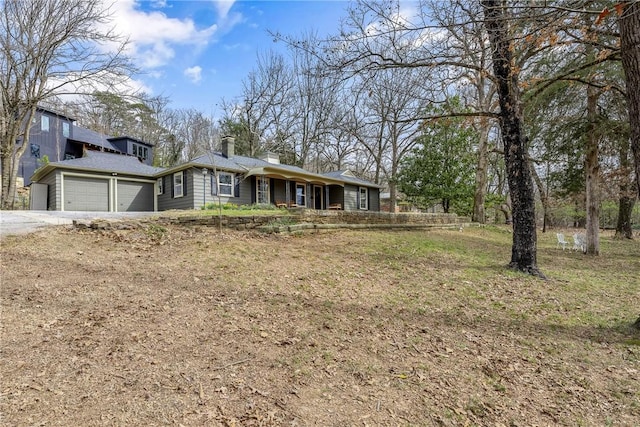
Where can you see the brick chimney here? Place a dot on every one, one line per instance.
(228, 144)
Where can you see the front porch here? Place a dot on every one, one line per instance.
(296, 193)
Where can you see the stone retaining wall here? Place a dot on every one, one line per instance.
(364, 217)
(336, 218)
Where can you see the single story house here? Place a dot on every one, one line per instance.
(102, 181)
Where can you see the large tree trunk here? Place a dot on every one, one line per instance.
(524, 247)
(629, 24)
(592, 170)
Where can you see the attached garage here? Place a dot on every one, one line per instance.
(98, 182)
(135, 196)
(85, 194)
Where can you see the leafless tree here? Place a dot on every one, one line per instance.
(48, 47)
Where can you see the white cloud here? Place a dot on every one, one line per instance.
(194, 73)
(153, 36)
(223, 7)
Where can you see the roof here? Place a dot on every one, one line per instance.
(348, 177)
(101, 162)
(94, 138)
(252, 166)
(97, 161)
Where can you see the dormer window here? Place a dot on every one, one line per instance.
(140, 151)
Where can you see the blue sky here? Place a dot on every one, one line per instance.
(198, 52)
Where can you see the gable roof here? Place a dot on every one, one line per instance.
(97, 161)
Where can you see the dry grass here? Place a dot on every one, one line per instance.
(174, 326)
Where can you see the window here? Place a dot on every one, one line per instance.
(363, 198)
(65, 129)
(44, 123)
(225, 184)
(177, 184)
(262, 190)
(300, 194)
(35, 150)
(140, 151)
(160, 186)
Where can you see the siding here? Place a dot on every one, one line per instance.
(195, 188)
(244, 197)
(350, 198)
(166, 202)
(52, 144)
(53, 190)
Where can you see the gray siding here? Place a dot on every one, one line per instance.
(167, 202)
(244, 197)
(53, 182)
(350, 198)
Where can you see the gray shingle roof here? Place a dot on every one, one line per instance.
(346, 177)
(219, 161)
(119, 163)
(94, 138)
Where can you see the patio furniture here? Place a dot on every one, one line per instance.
(561, 241)
(579, 242)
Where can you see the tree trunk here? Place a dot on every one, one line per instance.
(623, 226)
(629, 25)
(524, 247)
(544, 198)
(481, 174)
(592, 170)
(627, 195)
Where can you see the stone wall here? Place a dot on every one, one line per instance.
(364, 217)
(335, 218)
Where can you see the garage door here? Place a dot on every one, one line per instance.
(135, 196)
(86, 194)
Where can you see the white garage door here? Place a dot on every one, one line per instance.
(135, 196)
(86, 194)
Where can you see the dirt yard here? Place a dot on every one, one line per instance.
(188, 327)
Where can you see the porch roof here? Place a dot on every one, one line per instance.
(290, 174)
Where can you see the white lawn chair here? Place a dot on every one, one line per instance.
(579, 242)
(561, 241)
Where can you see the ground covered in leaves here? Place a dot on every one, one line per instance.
(188, 326)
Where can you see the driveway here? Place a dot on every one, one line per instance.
(21, 222)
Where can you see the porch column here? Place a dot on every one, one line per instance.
(326, 197)
(287, 192)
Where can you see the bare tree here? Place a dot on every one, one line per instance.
(524, 248)
(48, 47)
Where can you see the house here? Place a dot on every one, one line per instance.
(56, 137)
(106, 181)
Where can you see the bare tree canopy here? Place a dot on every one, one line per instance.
(47, 48)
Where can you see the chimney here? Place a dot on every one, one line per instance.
(228, 146)
(270, 157)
